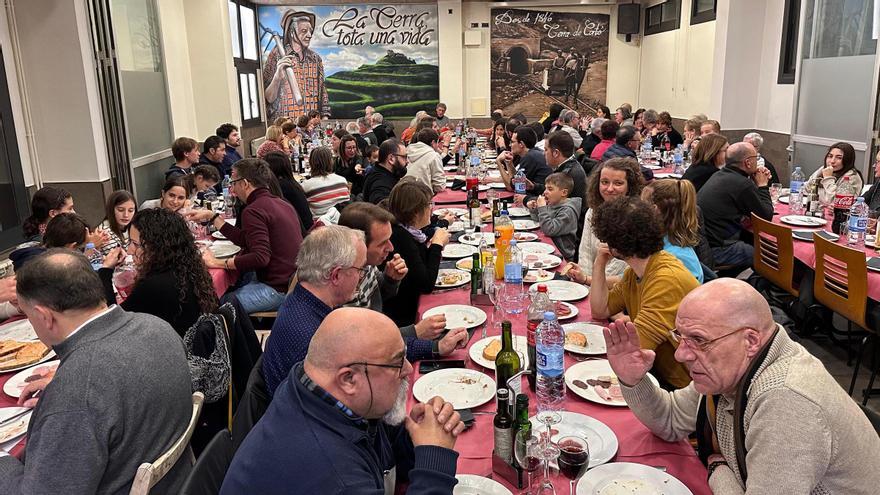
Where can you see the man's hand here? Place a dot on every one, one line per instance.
(431, 327)
(283, 63)
(114, 257)
(518, 200)
(628, 360)
(456, 338)
(27, 399)
(199, 215)
(396, 268)
(210, 260)
(7, 290)
(762, 176)
(529, 184)
(428, 427)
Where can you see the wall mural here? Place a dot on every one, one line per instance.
(338, 59)
(541, 57)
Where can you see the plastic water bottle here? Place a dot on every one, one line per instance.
(124, 276)
(295, 158)
(513, 262)
(646, 148)
(519, 182)
(514, 297)
(540, 305)
(857, 224)
(795, 201)
(227, 195)
(550, 341)
(678, 160)
(94, 256)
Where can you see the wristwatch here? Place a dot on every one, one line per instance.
(713, 465)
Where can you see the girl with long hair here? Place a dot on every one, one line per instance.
(119, 210)
(175, 193)
(47, 202)
(676, 202)
(350, 163)
(708, 158)
(840, 163)
(324, 189)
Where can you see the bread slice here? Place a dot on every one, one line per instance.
(491, 351)
(28, 353)
(576, 338)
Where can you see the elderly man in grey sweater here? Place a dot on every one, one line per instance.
(121, 396)
(769, 418)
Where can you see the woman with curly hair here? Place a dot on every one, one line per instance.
(612, 179)
(172, 282)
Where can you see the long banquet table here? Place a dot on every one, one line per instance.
(636, 443)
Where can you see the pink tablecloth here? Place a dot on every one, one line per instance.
(448, 196)
(806, 252)
(223, 279)
(636, 443)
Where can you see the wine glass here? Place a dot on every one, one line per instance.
(527, 451)
(775, 191)
(573, 460)
(549, 451)
(549, 418)
(490, 285)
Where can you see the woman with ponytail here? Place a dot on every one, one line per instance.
(676, 201)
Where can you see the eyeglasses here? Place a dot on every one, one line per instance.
(698, 344)
(233, 181)
(362, 271)
(398, 367)
(401, 156)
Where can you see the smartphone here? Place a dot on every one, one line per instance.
(430, 365)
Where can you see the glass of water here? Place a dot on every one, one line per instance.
(775, 191)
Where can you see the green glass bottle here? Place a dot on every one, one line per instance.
(507, 361)
(522, 414)
(476, 275)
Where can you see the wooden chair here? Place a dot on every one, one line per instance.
(841, 285)
(774, 254)
(148, 474)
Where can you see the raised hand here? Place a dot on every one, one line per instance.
(628, 360)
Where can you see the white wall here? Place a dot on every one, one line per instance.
(11, 55)
(452, 56)
(775, 102)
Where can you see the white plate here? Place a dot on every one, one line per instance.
(458, 315)
(17, 382)
(525, 236)
(464, 264)
(595, 339)
(586, 370)
(535, 247)
(783, 199)
(667, 175)
(803, 221)
(463, 388)
(224, 249)
(618, 478)
(545, 261)
(20, 330)
(600, 438)
(455, 227)
(520, 344)
(518, 212)
(807, 235)
(17, 427)
(455, 211)
(572, 307)
(463, 278)
(474, 239)
(651, 167)
(26, 366)
(563, 290)
(471, 484)
(483, 187)
(525, 224)
(497, 185)
(538, 276)
(219, 236)
(459, 251)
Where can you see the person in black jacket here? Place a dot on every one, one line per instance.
(350, 163)
(664, 126)
(385, 175)
(379, 128)
(708, 158)
(523, 156)
(292, 191)
(626, 141)
(410, 203)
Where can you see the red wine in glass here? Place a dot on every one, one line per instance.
(573, 461)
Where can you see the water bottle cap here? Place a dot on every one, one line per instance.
(90, 245)
(512, 242)
(797, 169)
(860, 200)
(542, 288)
(504, 212)
(549, 315)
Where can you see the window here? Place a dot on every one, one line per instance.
(245, 54)
(838, 28)
(788, 50)
(703, 11)
(14, 202)
(663, 17)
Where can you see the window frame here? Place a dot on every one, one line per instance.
(788, 48)
(705, 16)
(12, 236)
(664, 26)
(246, 66)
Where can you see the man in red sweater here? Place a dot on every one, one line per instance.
(268, 233)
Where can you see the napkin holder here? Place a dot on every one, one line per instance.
(511, 474)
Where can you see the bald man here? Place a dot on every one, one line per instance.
(338, 424)
(731, 194)
(801, 433)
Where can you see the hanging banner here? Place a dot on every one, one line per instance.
(339, 59)
(541, 57)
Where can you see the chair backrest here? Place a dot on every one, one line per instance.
(148, 474)
(841, 282)
(774, 253)
(252, 406)
(207, 475)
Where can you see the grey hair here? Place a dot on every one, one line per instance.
(351, 128)
(377, 118)
(650, 116)
(364, 122)
(325, 249)
(419, 116)
(567, 116)
(596, 124)
(755, 139)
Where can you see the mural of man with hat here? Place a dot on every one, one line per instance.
(294, 71)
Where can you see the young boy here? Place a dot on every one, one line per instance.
(557, 213)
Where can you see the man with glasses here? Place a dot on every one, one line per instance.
(731, 194)
(524, 156)
(652, 286)
(626, 144)
(768, 416)
(331, 263)
(338, 423)
(385, 175)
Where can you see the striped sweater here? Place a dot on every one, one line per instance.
(325, 192)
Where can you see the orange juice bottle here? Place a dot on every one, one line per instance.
(503, 235)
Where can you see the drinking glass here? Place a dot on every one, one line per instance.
(548, 417)
(775, 191)
(490, 285)
(549, 451)
(527, 451)
(573, 460)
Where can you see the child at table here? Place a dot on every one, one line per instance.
(557, 213)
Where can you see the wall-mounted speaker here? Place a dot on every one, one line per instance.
(628, 17)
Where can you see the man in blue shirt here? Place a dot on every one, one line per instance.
(230, 134)
(338, 423)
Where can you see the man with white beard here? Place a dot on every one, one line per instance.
(338, 424)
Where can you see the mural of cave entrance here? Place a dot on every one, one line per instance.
(518, 62)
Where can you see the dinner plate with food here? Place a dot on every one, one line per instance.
(13, 422)
(563, 290)
(450, 277)
(601, 439)
(537, 261)
(461, 387)
(629, 478)
(565, 311)
(458, 315)
(538, 276)
(535, 247)
(484, 351)
(803, 221)
(456, 227)
(20, 330)
(596, 382)
(18, 381)
(459, 251)
(16, 355)
(218, 235)
(584, 338)
(518, 211)
(224, 249)
(475, 238)
(525, 225)
(525, 236)
(459, 212)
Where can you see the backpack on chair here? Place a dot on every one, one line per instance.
(207, 352)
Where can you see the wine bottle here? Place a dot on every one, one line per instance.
(476, 275)
(522, 414)
(507, 361)
(503, 427)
